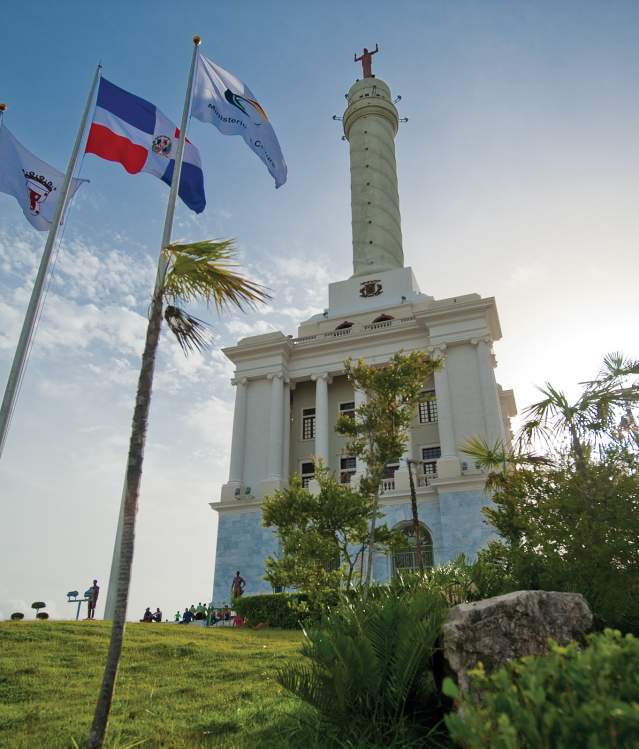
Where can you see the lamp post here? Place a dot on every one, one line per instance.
(413, 506)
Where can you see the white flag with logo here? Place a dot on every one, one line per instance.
(32, 182)
(221, 98)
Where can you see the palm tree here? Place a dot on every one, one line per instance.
(201, 270)
(592, 417)
(613, 388)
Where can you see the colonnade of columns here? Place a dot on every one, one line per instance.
(280, 419)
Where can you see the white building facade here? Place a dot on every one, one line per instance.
(290, 391)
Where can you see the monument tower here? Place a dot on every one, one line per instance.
(290, 391)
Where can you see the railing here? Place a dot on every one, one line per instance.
(405, 560)
(388, 485)
(424, 479)
(359, 330)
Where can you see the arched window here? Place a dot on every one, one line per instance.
(405, 559)
(383, 318)
(344, 325)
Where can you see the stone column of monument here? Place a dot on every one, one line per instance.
(370, 125)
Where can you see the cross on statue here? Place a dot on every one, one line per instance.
(366, 59)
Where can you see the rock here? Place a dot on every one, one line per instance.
(497, 629)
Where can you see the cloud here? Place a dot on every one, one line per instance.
(242, 329)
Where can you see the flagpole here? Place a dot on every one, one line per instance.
(109, 606)
(28, 326)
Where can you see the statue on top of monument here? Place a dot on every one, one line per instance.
(366, 60)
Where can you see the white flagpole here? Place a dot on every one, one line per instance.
(28, 326)
(109, 606)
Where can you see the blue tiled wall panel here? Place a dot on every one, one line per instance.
(464, 528)
(454, 520)
(242, 544)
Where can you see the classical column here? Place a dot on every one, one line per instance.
(238, 441)
(287, 429)
(359, 398)
(321, 416)
(490, 399)
(276, 436)
(448, 465)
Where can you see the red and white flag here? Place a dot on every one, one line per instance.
(32, 182)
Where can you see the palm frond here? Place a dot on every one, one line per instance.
(206, 270)
(192, 333)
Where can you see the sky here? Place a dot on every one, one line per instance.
(518, 173)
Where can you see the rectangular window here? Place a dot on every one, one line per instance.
(389, 471)
(429, 456)
(307, 472)
(308, 423)
(347, 409)
(428, 408)
(347, 468)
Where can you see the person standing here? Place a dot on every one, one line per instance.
(92, 599)
(238, 585)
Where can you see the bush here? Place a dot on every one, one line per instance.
(369, 672)
(42, 615)
(17, 615)
(569, 698)
(276, 609)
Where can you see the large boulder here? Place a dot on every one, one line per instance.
(497, 629)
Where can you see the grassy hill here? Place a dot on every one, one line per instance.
(178, 687)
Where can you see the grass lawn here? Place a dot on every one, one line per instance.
(178, 687)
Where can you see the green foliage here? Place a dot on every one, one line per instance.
(566, 699)
(571, 530)
(42, 615)
(569, 520)
(205, 270)
(379, 431)
(322, 538)
(38, 605)
(276, 609)
(369, 668)
(16, 616)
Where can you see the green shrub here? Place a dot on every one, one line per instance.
(42, 615)
(16, 616)
(570, 698)
(275, 609)
(369, 672)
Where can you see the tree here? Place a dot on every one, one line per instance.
(569, 520)
(197, 271)
(379, 432)
(37, 605)
(604, 405)
(322, 538)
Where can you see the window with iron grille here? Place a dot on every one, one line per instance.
(405, 558)
(348, 467)
(429, 456)
(428, 408)
(347, 409)
(307, 472)
(308, 423)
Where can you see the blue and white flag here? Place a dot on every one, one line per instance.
(33, 183)
(222, 99)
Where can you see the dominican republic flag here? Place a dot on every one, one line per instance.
(134, 132)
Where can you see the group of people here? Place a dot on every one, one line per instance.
(204, 612)
(148, 617)
(194, 613)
